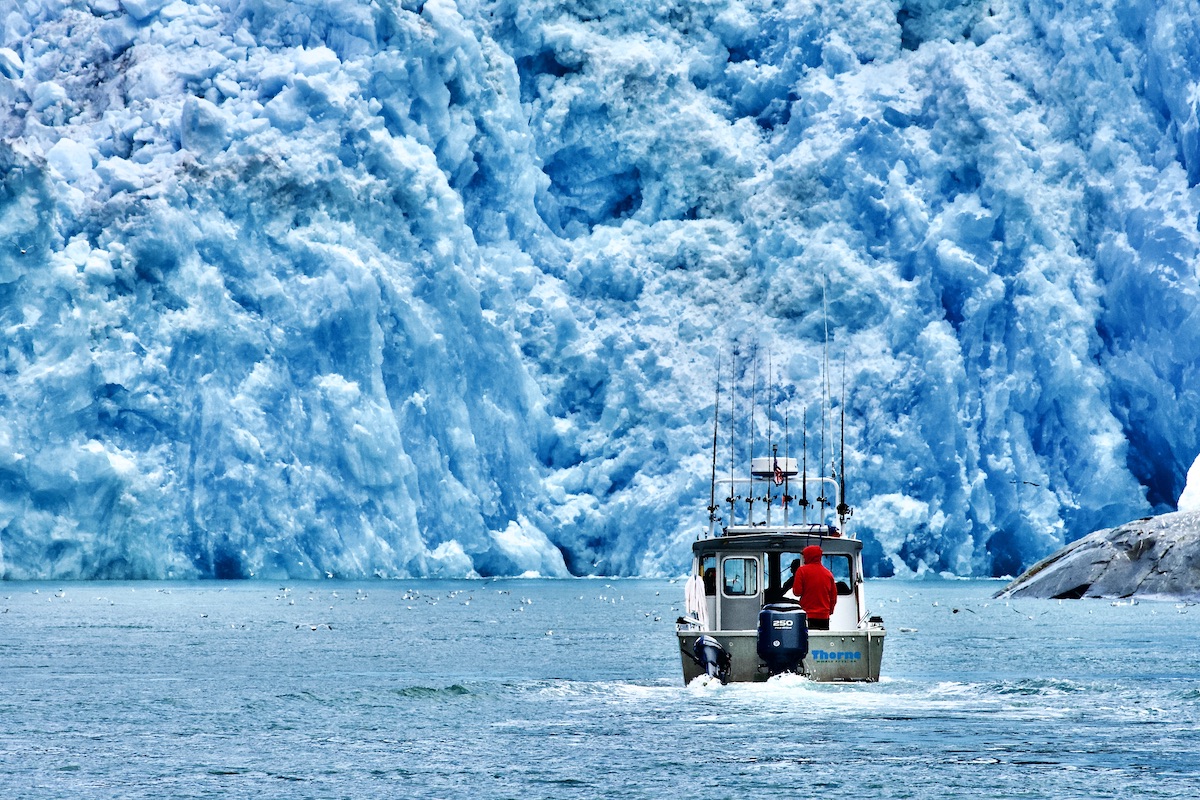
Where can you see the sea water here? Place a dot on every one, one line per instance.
(573, 688)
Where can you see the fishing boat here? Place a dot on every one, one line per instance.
(743, 622)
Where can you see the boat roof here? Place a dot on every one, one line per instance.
(790, 539)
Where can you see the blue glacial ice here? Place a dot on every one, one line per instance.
(337, 287)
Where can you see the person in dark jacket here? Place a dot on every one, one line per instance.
(815, 588)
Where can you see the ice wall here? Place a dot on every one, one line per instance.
(402, 288)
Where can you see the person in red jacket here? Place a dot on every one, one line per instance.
(815, 588)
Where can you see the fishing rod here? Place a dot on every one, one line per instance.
(753, 408)
(712, 490)
(843, 510)
(825, 398)
(804, 478)
(787, 454)
(769, 498)
(732, 498)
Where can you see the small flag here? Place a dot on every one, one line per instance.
(778, 474)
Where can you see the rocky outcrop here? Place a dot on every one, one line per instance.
(1154, 556)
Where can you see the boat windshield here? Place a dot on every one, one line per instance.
(782, 567)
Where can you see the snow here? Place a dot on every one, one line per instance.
(337, 287)
(10, 63)
(1189, 498)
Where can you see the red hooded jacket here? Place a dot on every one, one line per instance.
(814, 585)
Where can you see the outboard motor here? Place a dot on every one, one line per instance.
(712, 658)
(782, 637)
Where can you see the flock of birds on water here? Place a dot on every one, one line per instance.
(412, 597)
(415, 598)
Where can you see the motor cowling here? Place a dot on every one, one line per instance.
(782, 637)
(713, 658)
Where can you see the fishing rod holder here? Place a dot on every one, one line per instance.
(758, 476)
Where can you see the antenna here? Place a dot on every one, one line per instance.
(712, 491)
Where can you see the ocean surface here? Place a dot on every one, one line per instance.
(572, 688)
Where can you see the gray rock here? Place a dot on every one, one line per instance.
(1151, 557)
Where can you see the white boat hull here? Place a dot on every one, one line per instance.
(832, 655)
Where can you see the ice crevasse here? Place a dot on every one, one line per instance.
(297, 289)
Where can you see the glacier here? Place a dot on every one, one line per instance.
(398, 288)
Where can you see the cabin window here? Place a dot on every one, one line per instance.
(740, 576)
(840, 567)
(708, 571)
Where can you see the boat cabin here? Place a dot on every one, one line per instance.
(748, 568)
